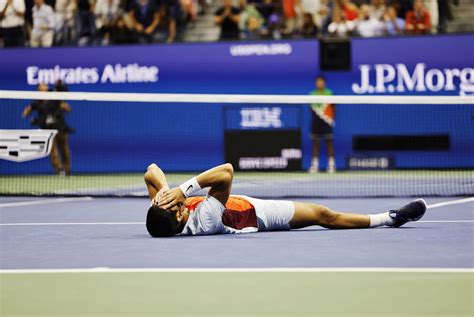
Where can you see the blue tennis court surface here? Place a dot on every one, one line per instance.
(83, 232)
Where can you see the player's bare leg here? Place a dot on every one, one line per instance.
(312, 214)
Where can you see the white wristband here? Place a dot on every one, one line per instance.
(190, 187)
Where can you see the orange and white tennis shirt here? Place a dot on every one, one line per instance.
(207, 216)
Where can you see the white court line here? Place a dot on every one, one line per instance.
(243, 270)
(452, 202)
(70, 223)
(446, 221)
(142, 223)
(45, 201)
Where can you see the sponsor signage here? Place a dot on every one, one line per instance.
(262, 117)
(25, 145)
(370, 162)
(263, 150)
(387, 78)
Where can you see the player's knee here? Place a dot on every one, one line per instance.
(149, 171)
(151, 167)
(325, 216)
(229, 171)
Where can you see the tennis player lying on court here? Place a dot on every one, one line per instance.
(175, 211)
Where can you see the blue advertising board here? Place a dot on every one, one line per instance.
(125, 137)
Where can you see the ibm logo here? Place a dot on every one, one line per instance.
(260, 117)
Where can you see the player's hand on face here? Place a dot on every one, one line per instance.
(171, 198)
(156, 200)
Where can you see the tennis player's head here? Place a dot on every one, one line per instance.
(165, 223)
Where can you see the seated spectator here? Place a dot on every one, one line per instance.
(292, 13)
(121, 34)
(322, 18)
(190, 10)
(42, 33)
(309, 28)
(339, 27)
(368, 26)
(12, 18)
(106, 12)
(377, 9)
(402, 7)
(145, 19)
(170, 14)
(418, 20)
(228, 17)
(432, 7)
(65, 13)
(251, 21)
(85, 22)
(310, 7)
(393, 24)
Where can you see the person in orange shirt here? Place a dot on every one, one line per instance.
(291, 10)
(418, 20)
(177, 211)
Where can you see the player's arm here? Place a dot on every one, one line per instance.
(218, 178)
(156, 182)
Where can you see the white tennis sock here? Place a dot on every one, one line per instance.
(382, 219)
(315, 163)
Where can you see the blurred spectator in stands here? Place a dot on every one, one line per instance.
(402, 6)
(350, 11)
(292, 12)
(393, 24)
(145, 19)
(121, 34)
(228, 17)
(339, 27)
(42, 33)
(311, 7)
(323, 120)
(251, 22)
(106, 13)
(65, 19)
(432, 7)
(170, 14)
(50, 114)
(190, 9)
(322, 17)
(85, 22)
(272, 16)
(12, 19)
(377, 9)
(368, 26)
(445, 14)
(418, 20)
(309, 28)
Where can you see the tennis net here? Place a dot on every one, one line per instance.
(383, 145)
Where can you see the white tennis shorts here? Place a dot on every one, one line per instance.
(273, 215)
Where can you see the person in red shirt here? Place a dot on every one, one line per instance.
(418, 20)
(349, 9)
(177, 211)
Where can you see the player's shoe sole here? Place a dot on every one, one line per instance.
(412, 211)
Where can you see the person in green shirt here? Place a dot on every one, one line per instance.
(323, 116)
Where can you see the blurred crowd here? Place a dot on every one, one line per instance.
(45, 23)
(255, 19)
